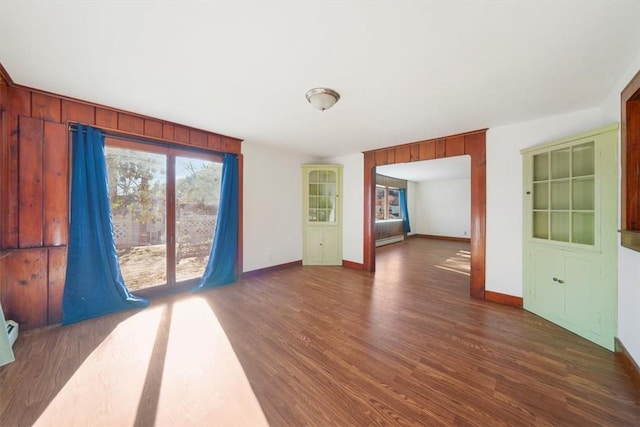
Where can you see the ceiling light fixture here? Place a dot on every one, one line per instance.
(322, 98)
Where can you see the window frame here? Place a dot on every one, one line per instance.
(171, 152)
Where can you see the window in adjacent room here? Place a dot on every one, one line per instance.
(387, 203)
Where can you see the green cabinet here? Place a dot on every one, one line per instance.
(6, 352)
(322, 214)
(570, 233)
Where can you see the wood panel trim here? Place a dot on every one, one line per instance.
(475, 147)
(260, 271)
(630, 365)
(436, 237)
(630, 163)
(12, 84)
(503, 299)
(4, 75)
(352, 265)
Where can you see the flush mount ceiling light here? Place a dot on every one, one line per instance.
(322, 98)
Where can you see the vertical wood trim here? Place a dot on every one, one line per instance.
(441, 148)
(45, 107)
(403, 154)
(30, 178)
(153, 128)
(427, 150)
(56, 184)
(415, 152)
(106, 118)
(130, 123)
(455, 146)
(4, 171)
(78, 112)
(369, 244)
(19, 104)
(475, 146)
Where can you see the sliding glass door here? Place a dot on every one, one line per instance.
(164, 205)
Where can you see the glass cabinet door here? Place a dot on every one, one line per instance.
(322, 196)
(564, 193)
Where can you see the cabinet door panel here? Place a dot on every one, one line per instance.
(582, 302)
(330, 246)
(314, 245)
(548, 293)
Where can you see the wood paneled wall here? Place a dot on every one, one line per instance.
(470, 143)
(34, 189)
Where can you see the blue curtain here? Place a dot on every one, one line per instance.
(94, 285)
(406, 227)
(222, 259)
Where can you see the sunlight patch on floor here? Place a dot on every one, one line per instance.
(203, 382)
(108, 371)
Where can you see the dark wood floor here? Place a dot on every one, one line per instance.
(323, 346)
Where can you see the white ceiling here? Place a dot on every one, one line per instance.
(406, 70)
(429, 170)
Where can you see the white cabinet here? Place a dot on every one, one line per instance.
(322, 214)
(570, 233)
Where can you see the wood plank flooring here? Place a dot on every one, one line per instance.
(321, 346)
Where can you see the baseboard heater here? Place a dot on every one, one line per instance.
(389, 240)
(12, 331)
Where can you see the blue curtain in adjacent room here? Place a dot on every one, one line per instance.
(406, 227)
(94, 285)
(222, 259)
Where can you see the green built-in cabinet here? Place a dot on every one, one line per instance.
(570, 233)
(322, 214)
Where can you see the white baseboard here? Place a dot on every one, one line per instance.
(388, 240)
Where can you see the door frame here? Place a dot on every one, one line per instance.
(472, 144)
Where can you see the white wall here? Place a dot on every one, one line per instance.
(272, 206)
(504, 190)
(443, 208)
(352, 205)
(628, 260)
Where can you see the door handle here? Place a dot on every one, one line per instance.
(555, 279)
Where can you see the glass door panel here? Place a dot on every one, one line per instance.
(582, 159)
(541, 225)
(582, 228)
(137, 194)
(560, 162)
(541, 195)
(560, 199)
(196, 210)
(541, 167)
(583, 194)
(560, 226)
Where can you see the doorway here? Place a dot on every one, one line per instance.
(470, 143)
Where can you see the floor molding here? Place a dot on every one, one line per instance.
(352, 265)
(503, 299)
(630, 365)
(258, 272)
(433, 236)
